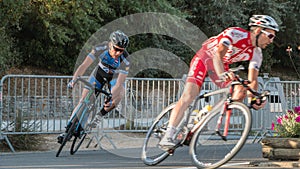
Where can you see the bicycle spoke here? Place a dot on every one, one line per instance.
(209, 149)
(151, 152)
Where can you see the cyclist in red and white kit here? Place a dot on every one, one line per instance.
(213, 59)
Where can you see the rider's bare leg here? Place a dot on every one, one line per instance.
(83, 95)
(191, 90)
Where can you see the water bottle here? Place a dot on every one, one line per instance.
(192, 118)
(202, 113)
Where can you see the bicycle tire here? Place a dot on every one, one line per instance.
(151, 153)
(78, 137)
(209, 150)
(74, 148)
(67, 137)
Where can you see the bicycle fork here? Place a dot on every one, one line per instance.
(227, 113)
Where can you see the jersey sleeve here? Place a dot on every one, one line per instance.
(233, 35)
(256, 61)
(226, 37)
(97, 50)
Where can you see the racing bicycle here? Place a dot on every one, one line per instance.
(79, 124)
(215, 137)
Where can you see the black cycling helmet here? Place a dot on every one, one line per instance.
(119, 39)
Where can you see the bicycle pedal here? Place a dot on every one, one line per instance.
(69, 139)
(166, 148)
(59, 139)
(171, 152)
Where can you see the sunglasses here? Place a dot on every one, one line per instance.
(271, 36)
(118, 49)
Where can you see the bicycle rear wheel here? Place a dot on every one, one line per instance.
(209, 150)
(151, 153)
(67, 137)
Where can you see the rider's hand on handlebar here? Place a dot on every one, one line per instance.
(258, 103)
(227, 76)
(71, 84)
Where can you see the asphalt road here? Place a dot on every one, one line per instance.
(118, 159)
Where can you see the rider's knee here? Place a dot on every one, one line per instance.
(188, 97)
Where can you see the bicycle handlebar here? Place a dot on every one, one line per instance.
(108, 94)
(236, 69)
(245, 82)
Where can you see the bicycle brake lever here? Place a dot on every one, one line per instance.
(266, 93)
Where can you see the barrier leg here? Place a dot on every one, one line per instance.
(261, 134)
(4, 137)
(99, 136)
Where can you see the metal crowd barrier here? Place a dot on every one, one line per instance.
(284, 96)
(37, 104)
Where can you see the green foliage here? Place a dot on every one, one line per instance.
(11, 12)
(213, 16)
(9, 55)
(51, 33)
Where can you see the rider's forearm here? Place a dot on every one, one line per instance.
(121, 79)
(117, 89)
(253, 85)
(252, 77)
(82, 68)
(79, 72)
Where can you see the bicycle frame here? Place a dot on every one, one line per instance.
(208, 128)
(222, 104)
(88, 103)
(77, 126)
(216, 107)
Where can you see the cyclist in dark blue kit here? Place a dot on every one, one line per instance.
(113, 67)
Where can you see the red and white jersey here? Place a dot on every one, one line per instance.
(239, 46)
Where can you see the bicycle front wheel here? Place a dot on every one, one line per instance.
(208, 149)
(67, 137)
(151, 153)
(77, 143)
(81, 133)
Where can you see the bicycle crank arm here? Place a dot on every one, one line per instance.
(172, 150)
(223, 137)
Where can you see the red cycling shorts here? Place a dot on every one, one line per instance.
(202, 65)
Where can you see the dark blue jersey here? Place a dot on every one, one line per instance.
(110, 66)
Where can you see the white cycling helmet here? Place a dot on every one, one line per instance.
(264, 21)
